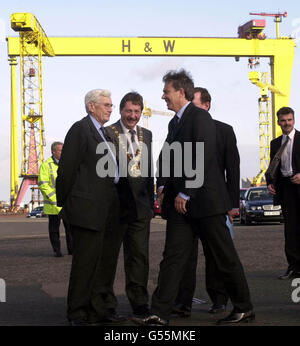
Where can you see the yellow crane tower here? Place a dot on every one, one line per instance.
(261, 79)
(148, 112)
(33, 43)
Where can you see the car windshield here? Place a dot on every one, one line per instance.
(259, 195)
(38, 209)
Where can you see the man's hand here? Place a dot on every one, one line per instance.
(160, 199)
(231, 214)
(180, 204)
(296, 179)
(160, 196)
(271, 189)
(159, 190)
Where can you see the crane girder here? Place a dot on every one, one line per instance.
(280, 52)
(163, 46)
(256, 78)
(30, 28)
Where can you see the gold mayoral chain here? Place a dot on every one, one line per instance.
(135, 167)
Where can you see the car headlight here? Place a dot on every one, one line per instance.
(256, 208)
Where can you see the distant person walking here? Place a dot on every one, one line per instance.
(47, 183)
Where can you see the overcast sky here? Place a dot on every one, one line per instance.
(67, 79)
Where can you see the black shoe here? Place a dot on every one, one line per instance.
(182, 311)
(58, 254)
(237, 317)
(151, 320)
(287, 275)
(216, 309)
(113, 317)
(141, 311)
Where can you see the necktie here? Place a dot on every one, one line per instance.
(133, 142)
(176, 120)
(105, 134)
(272, 171)
(175, 125)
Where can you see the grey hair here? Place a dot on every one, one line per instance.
(93, 96)
(54, 145)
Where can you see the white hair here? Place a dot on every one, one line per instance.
(93, 96)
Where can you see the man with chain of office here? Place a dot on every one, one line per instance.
(136, 193)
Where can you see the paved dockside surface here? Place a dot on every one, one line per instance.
(36, 282)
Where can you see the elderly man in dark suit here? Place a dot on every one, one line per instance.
(193, 205)
(90, 203)
(229, 162)
(285, 186)
(136, 193)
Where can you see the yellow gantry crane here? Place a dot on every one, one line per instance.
(148, 112)
(33, 43)
(261, 79)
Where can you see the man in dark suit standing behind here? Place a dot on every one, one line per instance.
(91, 206)
(229, 162)
(194, 206)
(136, 193)
(286, 187)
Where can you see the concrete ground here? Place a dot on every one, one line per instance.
(36, 282)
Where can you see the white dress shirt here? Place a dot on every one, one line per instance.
(286, 156)
(128, 136)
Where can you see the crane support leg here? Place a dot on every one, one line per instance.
(26, 182)
(14, 152)
(281, 74)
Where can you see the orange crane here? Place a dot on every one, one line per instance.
(278, 18)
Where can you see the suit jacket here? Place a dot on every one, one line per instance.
(229, 160)
(275, 145)
(196, 125)
(136, 193)
(85, 197)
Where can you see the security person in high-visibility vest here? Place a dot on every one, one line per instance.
(47, 182)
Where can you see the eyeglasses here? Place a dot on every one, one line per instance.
(106, 105)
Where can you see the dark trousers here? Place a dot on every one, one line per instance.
(188, 282)
(291, 213)
(53, 226)
(84, 294)
(135, 238)
(213, 280)
(217, 242)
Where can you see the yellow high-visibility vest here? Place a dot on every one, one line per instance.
(47, 181)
